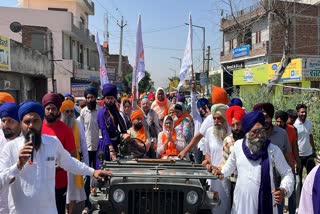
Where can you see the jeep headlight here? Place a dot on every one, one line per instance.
(192, 197)
(118, 195)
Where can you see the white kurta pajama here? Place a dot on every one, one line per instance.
(214, 148)
(74, 193)
(33, 190)
(246, 193)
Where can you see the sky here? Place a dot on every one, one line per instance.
(163, 30)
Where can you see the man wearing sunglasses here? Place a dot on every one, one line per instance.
(255, 158)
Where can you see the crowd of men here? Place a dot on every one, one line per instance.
(49, 150)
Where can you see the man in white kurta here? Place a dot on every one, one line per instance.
(32, 186)
(9, 122)
(246, 194)
(306, 203)
(213, 151)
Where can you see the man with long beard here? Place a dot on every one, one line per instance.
(11, 129)
(32, 184)
(213, 152)
(256, 159)
(55, 127)
(75, 193)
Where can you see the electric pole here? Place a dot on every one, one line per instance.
(106, 32)
(120, 51)
(207, 69)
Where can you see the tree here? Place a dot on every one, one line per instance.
(144, 85)
(279, 13)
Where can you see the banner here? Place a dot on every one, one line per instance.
(4, 54)
(103, 71)
(187, 57)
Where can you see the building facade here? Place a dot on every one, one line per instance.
(75, 56)
(262, 40)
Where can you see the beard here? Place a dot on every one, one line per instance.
(8, 133)
(68, 120)
(137, 126)
(268, 125)
(51, 118)
(37, 135)
(256, 144)
(110, 105)
(91, 105)
(237, 134)
(220, 130)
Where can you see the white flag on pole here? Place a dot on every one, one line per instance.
(103, 70)
(139, 67)
(187, 57)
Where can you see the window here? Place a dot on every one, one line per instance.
(58, 9)
(82, 22)
(231, 44)
(258, 37)
(38, 42)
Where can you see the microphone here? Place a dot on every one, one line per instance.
(32, 138)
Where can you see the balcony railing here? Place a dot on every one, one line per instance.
(89, 4)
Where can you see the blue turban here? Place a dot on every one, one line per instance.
(9, 110)
(31, 106)
(67, 95)
(250, 119)
(91, 90)
(235, 102)
(202, 102)
(109, 90)
(181, 98)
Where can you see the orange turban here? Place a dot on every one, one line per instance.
(235, 112)
(135, 114)
(6, 97)
(219, 95)
(67, 104)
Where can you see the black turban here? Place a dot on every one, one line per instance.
(91, 90)
(267, 108)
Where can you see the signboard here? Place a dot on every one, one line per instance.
(311, 69)
(293, 71)
(77, 89)
(253, 75)
(203, 78)
(111, 73)
(241, 51)
(4, 54)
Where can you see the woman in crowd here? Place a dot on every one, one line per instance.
(168, 142)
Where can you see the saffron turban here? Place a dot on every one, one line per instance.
(6, 97)
(202, 102)
(250, 119)
(181, 98)
(67, 104)
(91, 90)
(52, 98)
(219, 95)
(268, 108)
(135, 114)
(235, 112)
(30, 106)
(9, 110)
(219, 109)
(235, 102)
(151, 96)
(109, 89)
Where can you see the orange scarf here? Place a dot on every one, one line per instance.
(76, 133)
(184, 115)
(171, 147)
(163, 104)
(141, 134)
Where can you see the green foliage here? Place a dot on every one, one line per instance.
(144, 85)
(309, 98)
